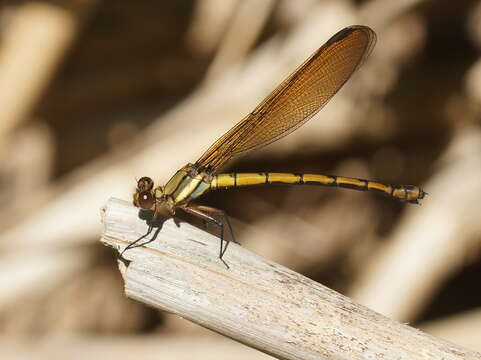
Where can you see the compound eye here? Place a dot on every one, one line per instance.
(146, 200)
(145, 184)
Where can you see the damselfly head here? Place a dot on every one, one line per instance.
(144, 197)
(145, 184)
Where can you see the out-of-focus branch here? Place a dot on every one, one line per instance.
(36, 271)
(143, 347)
(432, 241)
(256, 302)
(210, 19)
(242, 32)
(460, 328)
(35, 40)
(381, 12)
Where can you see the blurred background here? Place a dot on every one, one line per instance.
(97, 93)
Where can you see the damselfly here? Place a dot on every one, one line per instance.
(290, 105)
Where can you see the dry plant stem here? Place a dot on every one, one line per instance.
(155, 347)
(462, 328)
(244, 29)
(33, 44)
(210, 19)
(30, 273)
(381, 12)
(432, 241)
(256, 302)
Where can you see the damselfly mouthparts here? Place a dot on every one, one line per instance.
(290, 105)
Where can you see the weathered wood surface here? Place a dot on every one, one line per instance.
(256, 302)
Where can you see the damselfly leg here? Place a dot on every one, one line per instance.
(217, 217)
(136, 242)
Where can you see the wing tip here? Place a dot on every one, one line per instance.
(343, 33)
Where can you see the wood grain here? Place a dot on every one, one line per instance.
(256, 302)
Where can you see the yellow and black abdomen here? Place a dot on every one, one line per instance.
(407, 193)
(248, 179)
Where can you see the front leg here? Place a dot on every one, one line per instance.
(137, 243)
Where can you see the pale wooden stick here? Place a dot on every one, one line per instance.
(256, 302)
